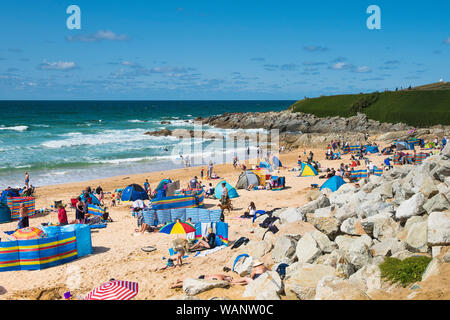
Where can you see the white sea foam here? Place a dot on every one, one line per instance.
(102, 138)
(15, 128)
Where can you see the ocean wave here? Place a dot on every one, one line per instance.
(102, 138)
(137, 121)
(15, 128)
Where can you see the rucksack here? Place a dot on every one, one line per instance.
(281, 270)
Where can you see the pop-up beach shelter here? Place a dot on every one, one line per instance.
(334, 183)
(5, 213)
(94, 198)
(307, 170)
(265, 165)
(276, 162)
(232, 193)
(134, 192)
(247, 178)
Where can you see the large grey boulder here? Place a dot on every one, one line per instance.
(307, 249)
(284, 249)
(323, 242)
(289, 215)
(437, 203)
(352, 226)
(333, 288)
(329, 226)
(244, 266)
(411, 207)
(348, 210)
(268, 282)
(417, 238)
(368, 278)
(191, 286)
(338, 260)
(257, 249)
(312, 206)
(387, 247)
(442, 170)
(383, 226)
(359, 253)
(433, 269)
(301, 280)
(428, 187)
(439, 228)
(323, 212)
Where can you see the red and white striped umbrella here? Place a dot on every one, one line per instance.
(114, 290)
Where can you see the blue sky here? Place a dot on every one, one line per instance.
(219, 49)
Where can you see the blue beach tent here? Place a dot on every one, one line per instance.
(5, 213)
(333, 183)
(134, 192)
(94, 198)
(276, 162)
(232, 193)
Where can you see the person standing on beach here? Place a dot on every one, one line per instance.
(210, 169)
(79, 211)
(225, 198)
(62, 216)
(146, 185)
(201, 173)
(27, 179)
(23, 217)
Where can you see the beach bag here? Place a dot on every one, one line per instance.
(267, 222)
(240, 242)
(281, 270)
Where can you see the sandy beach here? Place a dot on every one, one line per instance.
(117, 249)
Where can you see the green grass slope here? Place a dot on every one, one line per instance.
(422, 106)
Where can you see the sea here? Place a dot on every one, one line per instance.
(66, 141)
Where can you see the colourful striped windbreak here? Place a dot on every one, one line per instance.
(360, 174)
(14, 203)
(421, 156)
(179, 202)
(95, 210)
(38, 254)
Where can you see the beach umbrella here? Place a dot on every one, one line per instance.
(114, 290)
(29, 233)
(178, 227)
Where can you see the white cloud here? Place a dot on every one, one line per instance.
(58, 65)
(341, 66)
(363, 69)
(99, 36)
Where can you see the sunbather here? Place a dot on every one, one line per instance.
(209, 242)
(220, 277)
(258, 269)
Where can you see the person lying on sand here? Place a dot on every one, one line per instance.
(220, 277)
(258, 269)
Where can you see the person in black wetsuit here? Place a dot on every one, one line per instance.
(209, 242)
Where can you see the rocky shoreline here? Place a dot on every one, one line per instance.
(306, 130)
(334, 244)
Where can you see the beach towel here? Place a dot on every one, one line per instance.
(209, 251)
(98, 226)
(244, 255)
